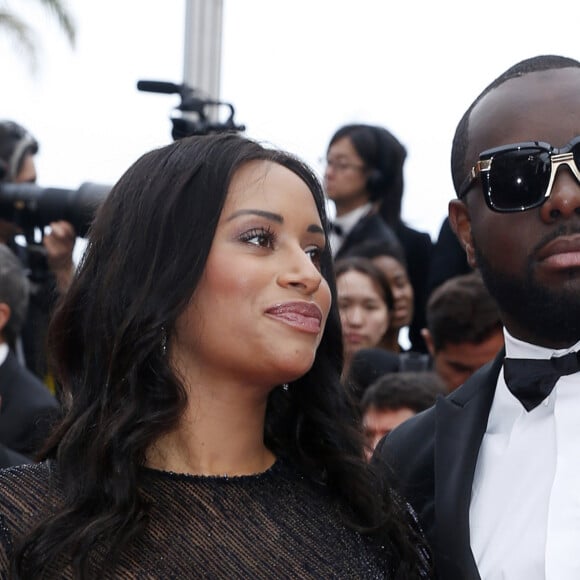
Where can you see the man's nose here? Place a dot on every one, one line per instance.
(564, 199)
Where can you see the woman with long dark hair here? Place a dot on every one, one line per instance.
(206, 433)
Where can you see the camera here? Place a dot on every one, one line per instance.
(30, 206)
(195, 115)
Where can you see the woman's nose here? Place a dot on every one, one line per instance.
(299, 272)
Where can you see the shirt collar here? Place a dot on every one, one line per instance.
(516, 348)
(348, 220)
(3, 352)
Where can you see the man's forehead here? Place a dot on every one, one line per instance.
(538, 106)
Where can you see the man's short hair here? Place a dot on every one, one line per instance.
(413, 390)
(461, 137)
(14, 291)
(462, 310)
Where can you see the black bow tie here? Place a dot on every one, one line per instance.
(531, 380)
(338, 230)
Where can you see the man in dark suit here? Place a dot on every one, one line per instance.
(27, 408)
(492, 470)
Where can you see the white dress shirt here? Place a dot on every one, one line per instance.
(3, 352)
(346, 222)
(524, 515)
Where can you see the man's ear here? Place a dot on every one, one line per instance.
(428, 340)
(4, 318)
(460, 223)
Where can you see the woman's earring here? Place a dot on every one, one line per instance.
(163, 341)
(285, 387)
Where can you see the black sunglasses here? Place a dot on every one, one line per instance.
(520, 176)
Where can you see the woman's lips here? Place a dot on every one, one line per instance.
(354, 338)
(304, 316)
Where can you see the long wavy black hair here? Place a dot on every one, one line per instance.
(146, 253)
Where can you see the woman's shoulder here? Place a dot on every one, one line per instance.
(27, 492)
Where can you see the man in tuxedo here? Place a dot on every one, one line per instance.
(492, 469)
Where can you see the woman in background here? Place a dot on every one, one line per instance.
(365, 303)
(206, 431)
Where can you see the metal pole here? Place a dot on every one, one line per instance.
(203, 46)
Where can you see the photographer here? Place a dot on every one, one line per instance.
(50, 264)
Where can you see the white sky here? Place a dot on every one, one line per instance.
(295, 71)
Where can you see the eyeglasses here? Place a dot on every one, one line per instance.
(340, 165)
(520, 177)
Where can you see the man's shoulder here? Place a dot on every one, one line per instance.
(417, 434)
(17, 382)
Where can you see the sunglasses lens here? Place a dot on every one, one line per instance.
(518, 179)
(576, 153)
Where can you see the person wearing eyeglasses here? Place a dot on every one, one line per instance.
(364, 179)
(493, 468)
(352, 182)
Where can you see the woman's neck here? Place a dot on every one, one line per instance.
(220, 433)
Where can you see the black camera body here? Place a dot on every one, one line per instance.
(30, 206)
(195, 115)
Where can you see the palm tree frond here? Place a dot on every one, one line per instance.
(65, 20)
(20, 32)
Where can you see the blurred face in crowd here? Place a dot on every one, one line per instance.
(379, 422)
(364, 313)
(345, 176)
(396, 275)
(27, 173)
(262, 298)
(455, 362)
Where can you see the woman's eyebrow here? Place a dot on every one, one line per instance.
(312, 228)
(259, 212)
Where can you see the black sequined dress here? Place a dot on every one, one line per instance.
(274, 525)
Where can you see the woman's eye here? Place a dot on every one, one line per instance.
(315, 254)
(264, 238)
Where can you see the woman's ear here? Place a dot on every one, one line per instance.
(460, 223)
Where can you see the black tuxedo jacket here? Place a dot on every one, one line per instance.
(431, 459)
(369, 227)
(27, 409)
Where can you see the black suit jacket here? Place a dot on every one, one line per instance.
(431, 459)
(418, 248)
(369, 227)
(9, 458)
(449, 258)
(27, 409)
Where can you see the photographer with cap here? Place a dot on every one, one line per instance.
(50, 264)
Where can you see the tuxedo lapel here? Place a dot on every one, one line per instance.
(461, 420)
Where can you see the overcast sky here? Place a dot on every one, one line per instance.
(295, 71)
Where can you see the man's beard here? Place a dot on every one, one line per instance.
(550, 316)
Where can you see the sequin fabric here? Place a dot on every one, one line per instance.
(272, 525)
